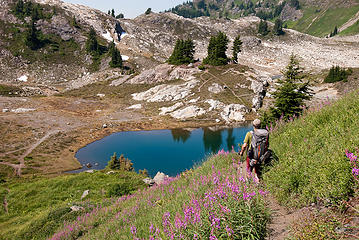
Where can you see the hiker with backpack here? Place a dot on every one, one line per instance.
(256, 143)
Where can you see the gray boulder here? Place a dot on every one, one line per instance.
(160, 178)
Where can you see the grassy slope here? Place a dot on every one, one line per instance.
(36, 207)
(324, 22)
(312, 165)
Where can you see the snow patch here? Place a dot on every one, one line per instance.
(107, 36)
(23, 78)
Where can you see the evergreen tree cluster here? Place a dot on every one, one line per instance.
(32, 38)
(335, 32)
(116, 58)
(182, 53)
(337, 74)
(112, 13)
(290, 94)
(217, 50)
(29, 9)
(120, 163)
(263, 27)
(92, 45)
(278, 27)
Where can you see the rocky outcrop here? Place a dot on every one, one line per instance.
(234, 113)
(214, 105)
(160, 178)
(166, 92)
(166, 110)
(188, 112)
(259, 87)
(215, 88)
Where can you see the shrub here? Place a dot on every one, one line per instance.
(119, 189)
(337, 74)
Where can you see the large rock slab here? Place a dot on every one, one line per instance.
(215, 88)
(166, 110)
(214, 105)
(188, 112)
(166, 92)
(234, 113)
(160, 178)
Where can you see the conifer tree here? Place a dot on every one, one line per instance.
(31, 37)
(278, 27)
(263, 28)
(92, 46)
(290, 94)
(113, 12)
(217, 50)
(148, 11)
(116, 58)
(182, 53)
(237, 44)
(114, 163)
(19, 8)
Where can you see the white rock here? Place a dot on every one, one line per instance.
(166, 110)
(166, 92)
(76, 208)
(215, 104)
(5, 110)
(194, 100)
(234, 112)
(215, 88)
(217, 120)
(160, 178)
(23, 78)
(107, 36)
(90, 171)
(188, 112)
(23, 110)
(85, 193)
(110, 172)
(125, 58)
(136, 106)
(101, 95)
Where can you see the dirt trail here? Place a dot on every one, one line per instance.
(351, 21)
(31, 148)
(278, 228)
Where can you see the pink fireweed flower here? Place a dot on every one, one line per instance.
(133, 230)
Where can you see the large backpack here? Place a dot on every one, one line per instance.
(259, 145)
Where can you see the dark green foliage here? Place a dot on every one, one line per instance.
(120, 163)
(74, 23)
(182, 53)
(295, 4)
(148, 11)
(335, 32)
(120, 189)
(32, 39)
(92, 45)
(113, 12)
(263, 28)
(217, 50)
(143, 172)
(116, 59)
(28, 9)
(201, 67)
(290, 94)
(237, 44)
(120, 16)
(109, 12)
(337, 74)
(278, 27)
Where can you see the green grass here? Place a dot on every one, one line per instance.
(162, 207)
(312, 165)
(37, 207)
(352, 30)
(325, 23)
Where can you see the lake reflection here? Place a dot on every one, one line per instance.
(168, 151)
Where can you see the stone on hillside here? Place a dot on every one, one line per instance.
(76, 208)
(136, 106)
(215, 88)
(215, 104)
(259, 87)
(234, 113)
(119, 81)
(5, 110)
(157, 74)
(194, 100)
(183, 73)
(90, 171)
(160, 178)
(149, 181)
(23, 110)
(85, 193)
(101, 95)
(188, 112)
(166, 92)
(166, 110)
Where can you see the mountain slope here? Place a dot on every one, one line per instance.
(317, 18)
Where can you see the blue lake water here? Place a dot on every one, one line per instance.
(168, 151)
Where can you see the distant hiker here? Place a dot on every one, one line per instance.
(256, 143)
